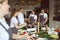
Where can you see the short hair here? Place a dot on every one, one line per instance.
(42, 9)
(20, 8)
(33, 10)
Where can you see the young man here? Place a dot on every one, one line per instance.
(43, 18)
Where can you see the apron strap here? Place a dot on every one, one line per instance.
(18, 20)
(9, 31)
(3, 26)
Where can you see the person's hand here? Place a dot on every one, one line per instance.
(32, 23)
(31, 38)
(25, 24)
(43, 22)
(16, 36)
(29, 25)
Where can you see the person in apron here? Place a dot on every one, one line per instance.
(43, 18)
(32, 23)
(5, 32)
(21, 17)
(32, 19)
(14, 23)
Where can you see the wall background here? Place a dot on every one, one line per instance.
(52, 23)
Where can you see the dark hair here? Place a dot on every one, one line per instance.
(33, 10)
(20, 9)
(42, 9)
(13, 11)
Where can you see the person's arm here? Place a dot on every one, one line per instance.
(16, 36)
(46, 18)
(35, 17)
(29, 18)
(20, 26)
(35, 21)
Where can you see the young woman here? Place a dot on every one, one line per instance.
(4, 9)
(21, 17)
(32, 18)
(14, 23)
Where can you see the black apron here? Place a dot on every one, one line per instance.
(42, 19)
(9, 31)
(32, 19)
(14, 29)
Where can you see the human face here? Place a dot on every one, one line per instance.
(21, 10)
(33, 12)
(5, 7)
(16, 13)
(42, 11)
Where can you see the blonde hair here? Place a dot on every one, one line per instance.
(1, 1)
